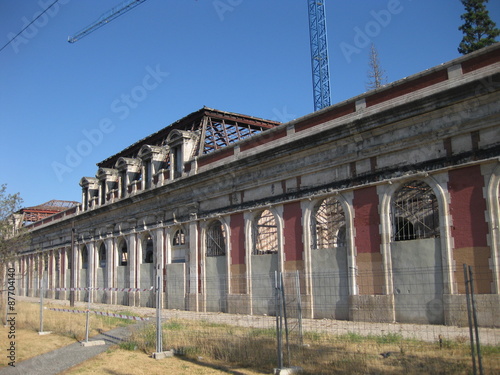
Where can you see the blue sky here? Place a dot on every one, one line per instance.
(65, 107)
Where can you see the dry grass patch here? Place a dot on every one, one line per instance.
(64, 323)
(321, 354)
(121, 361)
(66, 328)
(29, 344)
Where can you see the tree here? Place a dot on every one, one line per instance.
(376, 74)
(13, 236)
(479, 30)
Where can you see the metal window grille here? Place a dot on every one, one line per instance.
(265, 234)
(415, 213)
(328, 225)
(216, 240)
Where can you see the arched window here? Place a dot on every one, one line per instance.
(216, 240)
(179, 247)
(328, 226)
(85, 258)
(102, 256)
(147, 250)
(415, 213)
(265, 232)
(179, 238)
(123, 258)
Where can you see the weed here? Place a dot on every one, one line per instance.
(173, 325)
(352, 337)
(389, 338)
(128, 345)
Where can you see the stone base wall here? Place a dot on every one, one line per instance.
(487, 310)
(379, 308)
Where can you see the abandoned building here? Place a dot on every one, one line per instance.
(29, 215)
(375, 202)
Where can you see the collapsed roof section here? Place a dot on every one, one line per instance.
(36, 213)
(215, 129)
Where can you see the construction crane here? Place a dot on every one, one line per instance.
(106, 18)
(318, 44)
(319, 54)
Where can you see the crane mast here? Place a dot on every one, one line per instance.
(319, 54)
(106, 18)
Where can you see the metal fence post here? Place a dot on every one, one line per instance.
(278, 320)
(286, 317)
(159, 338)
(474, 316)
(42, 290)
(87, 320)
(299, 307)
(469, 318)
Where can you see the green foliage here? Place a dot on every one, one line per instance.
(128, 345)
(12, 236)
(478, 28)
(173, 325)
(389, 338)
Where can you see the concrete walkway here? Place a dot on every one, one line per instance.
(66, 357)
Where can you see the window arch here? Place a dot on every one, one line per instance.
(328, 225)
(216, 239)
(415, 213)
(123, 254)
(265, 233)
(85, 258)
(147, 250)
(180, 248)
(179, 238)
(102, 255)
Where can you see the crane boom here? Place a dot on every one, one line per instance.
(319, 54)
(106, 18)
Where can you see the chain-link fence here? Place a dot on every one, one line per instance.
(279, 320)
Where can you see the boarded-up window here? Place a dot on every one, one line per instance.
(415, 213)
(216, 240)
(265, 234)
(328, 226)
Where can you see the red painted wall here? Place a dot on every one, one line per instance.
(366, 220)
(237, 238)
(292, 217)
(468, 207)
